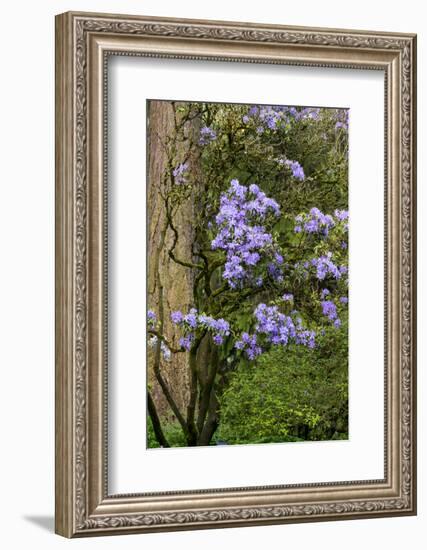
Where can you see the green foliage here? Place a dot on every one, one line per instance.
(290, 394)
(172, 431)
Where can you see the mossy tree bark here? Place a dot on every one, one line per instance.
(183, 387)
(169, 283)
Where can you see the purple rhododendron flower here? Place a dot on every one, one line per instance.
(341, 215)
(221, 326)
(342, 119)
(240, 235)
(248, 343)
(153, 342)
(166, 352)
(306, 338)
(325, 266)
(177, 317)
(191, 318)
(275, 272)
(218, 339)
(179, 173)
(296, 169)
(316, 222)
(186, 341)
(151, 318)
(312, 226)
(273, 328)
(192, 321)
(270, 117)
(324, 292)
(308, 113)
(207, 135)
(266, 116)
(305, 113)
(329, 309)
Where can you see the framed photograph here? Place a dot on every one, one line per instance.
(235, 274)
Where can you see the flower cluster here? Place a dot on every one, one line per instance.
(274, 268)
(274, 328)
(294, 166)
(189, 323)
(153, 340)
(342, 119)
(207, 135)
(305, 113)
(342, 216)
(329, 309)
(248, 343)
(151, 318)
(266, 117)
(270, 117)
(179, 173)
(315, 221)
(324, 267)
(166, 352)
(241, 236)
(186, 341)
(325, 292)
(277, 327)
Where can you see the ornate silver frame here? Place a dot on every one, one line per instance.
(83, 505)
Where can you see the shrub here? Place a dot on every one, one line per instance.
(291, 394)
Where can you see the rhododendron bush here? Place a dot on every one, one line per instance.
(248, 211)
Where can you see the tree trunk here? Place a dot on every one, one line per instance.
(175, 281)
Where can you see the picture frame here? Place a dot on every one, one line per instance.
(84, 42)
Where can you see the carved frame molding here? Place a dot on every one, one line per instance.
(83, 43)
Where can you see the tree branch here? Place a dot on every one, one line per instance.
(212, 421)
(207, 390)
(168, 394)
(156, 367)
(158, 432)
(192, 435)
(174, 243)
(161, 337)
